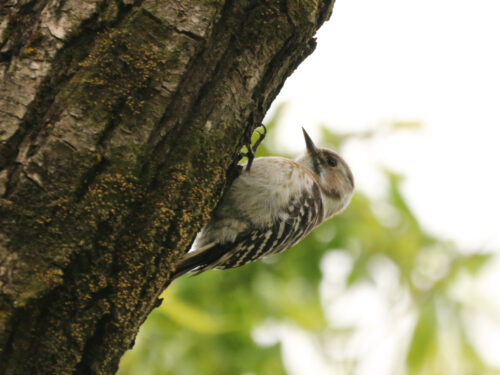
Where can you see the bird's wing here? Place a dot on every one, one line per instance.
(293, 222)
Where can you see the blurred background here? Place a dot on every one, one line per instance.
(407, 279)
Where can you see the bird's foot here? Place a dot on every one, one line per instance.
(252, 149)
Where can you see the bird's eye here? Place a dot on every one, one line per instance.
(332, 162)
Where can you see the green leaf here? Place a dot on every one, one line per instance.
(192, 317)
(473, 263)
(423, 342)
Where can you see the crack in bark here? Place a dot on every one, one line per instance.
(83, 367)
(197, 73)
(20, 26)
(88, 178)
(10, 114)
(60, 74)
(34, 181)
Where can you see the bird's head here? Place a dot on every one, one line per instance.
(332, 173)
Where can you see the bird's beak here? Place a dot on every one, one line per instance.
(311, 148)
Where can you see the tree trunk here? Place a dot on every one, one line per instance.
(120, 126)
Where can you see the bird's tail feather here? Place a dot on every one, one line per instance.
(199, 259)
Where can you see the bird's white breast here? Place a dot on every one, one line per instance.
(261, 193)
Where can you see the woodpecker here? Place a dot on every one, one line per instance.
(270, 207)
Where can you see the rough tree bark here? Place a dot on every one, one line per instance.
(120, 124)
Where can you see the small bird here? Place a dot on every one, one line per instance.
(271, 207)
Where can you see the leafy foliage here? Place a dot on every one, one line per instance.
(206, 323)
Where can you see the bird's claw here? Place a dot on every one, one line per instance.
(250, 154)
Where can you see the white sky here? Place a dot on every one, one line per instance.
(433, 61)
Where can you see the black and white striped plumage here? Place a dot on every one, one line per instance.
(270, 208)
